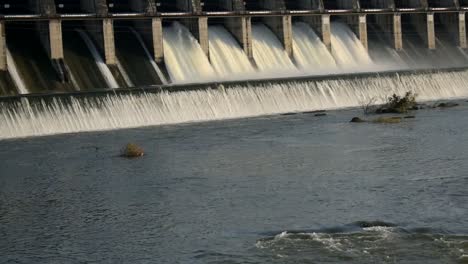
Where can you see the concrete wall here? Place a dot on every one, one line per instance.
(379, 4)
(143, 6)
(95, 6)
(341, 4)
(448, 22)
(189, 5)
(442, 3)
(44, 7)
(228, 5)
(305, 4)
(410, 3)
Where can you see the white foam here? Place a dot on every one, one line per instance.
(136, 110)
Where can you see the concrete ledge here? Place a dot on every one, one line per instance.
(228, 84)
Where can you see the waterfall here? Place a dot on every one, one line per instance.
(66, 115)
(227, 57)
(310, 53)
(150, 58)
(347, 48)
(124, 74)
(269, 53)
(184, 58)
(13, 70)
(110, 80)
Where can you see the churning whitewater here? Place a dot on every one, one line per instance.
(25, 118)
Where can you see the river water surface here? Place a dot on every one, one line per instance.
(278, 189)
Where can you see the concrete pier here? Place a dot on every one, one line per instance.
(158, 43)
(359, 25)
(321, 25)
(199, 29)
(282, 27)
(109, 43)
(143, 6)
(397, 32)
(431, 43)
(3, 48)
(363, 30)
(55, 38)
(462, 30)
(241, 29)
(423, 23)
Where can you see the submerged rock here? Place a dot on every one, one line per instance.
(132, 151)
(321, 114)
(447, 105)
(388, 120)
(357, 120)
(289, 114)
(314, 112)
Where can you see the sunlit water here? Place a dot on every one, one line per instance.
(278, 189)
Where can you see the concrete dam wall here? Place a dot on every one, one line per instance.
(75, 45)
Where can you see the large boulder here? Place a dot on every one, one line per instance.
(132, 151)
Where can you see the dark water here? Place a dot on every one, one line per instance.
(282, 189)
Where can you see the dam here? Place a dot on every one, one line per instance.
(85, 65)
(78, 45)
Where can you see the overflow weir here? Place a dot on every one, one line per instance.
(85, 65)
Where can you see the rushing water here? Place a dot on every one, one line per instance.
(347, 48)
(309, 51)
(13, 70)
(269, 53)
(184, 58)
(110, 80)
(123, 111)
(278, 189)
(226, 55)
(148, 55)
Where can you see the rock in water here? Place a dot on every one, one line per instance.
(132, 151)
(447, 105)
(388, 120)
(357, 120)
